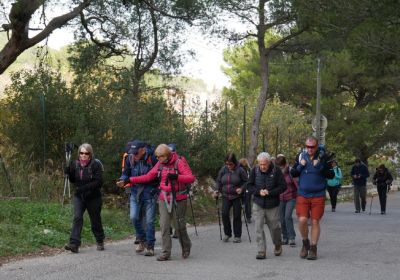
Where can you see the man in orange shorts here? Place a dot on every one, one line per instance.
(310, 202)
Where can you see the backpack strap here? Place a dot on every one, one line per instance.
(169, 204)
(187, 186)
(124, 157)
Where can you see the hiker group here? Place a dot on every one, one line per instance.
(268, 193)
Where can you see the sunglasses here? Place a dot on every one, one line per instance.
(83, 153)
(310, 147)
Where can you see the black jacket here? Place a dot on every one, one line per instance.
(228, 182)
(272, 180)
(92, 178)
(382, 179)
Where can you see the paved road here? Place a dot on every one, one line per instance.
(352, 246)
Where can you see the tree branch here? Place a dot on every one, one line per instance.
(20, 17)
(153, 7)
(281, 41)
(107, 45)
(58, 22)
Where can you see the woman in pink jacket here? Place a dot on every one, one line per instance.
(174, 174)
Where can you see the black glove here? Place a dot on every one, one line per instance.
(172, 176)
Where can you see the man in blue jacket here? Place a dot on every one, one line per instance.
(310, 201)
(359, 173)
(143, 197)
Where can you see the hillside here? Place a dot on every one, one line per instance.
(29, 58)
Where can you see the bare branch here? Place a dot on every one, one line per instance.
(58, 22)
(153, 7)
(108, 45)
(284, 39)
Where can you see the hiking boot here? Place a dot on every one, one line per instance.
(226, 238)
(149, 252)
(186, 253)
(284, 242)
(357, 211)
(100, 246)
(237, 240)
(312, 254)
(163, 257)
(278, 250)
(305, 248)
(261, 255)
(140, 248)
(292, 243)
(71, 247)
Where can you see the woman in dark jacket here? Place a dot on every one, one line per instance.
(287, 203)
(382, 179)
(231, 184)
(86, 175)
(247, 196)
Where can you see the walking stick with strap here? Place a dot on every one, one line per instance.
(174, 206)
(219, 218)
(244, 216)
(191, 207)
(67, 185)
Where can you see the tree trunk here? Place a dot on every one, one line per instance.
(262, 98)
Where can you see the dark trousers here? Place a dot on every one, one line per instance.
(247, 204)
(93, 206)
(360, 193)
(333, 194)
(237, 217)
(382, 192)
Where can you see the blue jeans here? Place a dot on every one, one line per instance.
(285, 213)
(143, 215)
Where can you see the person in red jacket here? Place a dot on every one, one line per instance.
(174, 174)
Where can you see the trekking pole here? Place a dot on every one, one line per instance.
(244, 216)
(219, 217)
(7, 176)
(174, 205)
(67, 186)
(191, 207)
(370, 204)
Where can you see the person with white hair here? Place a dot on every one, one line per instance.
(266, 182)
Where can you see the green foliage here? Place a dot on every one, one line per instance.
(359, 99)
(34, 122)
(207, 143)
(32, 226)
(290, 122)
